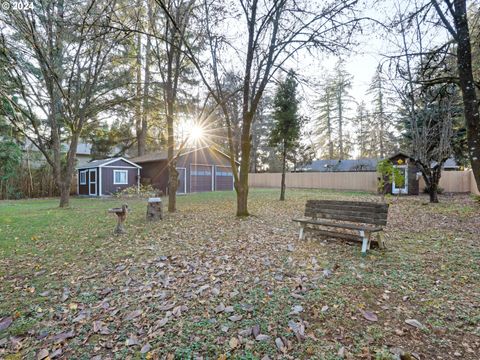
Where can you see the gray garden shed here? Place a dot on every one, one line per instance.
(107, 176)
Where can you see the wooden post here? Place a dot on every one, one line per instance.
(154, 209)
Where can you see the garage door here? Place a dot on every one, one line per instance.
(182, 186)
(223, 178)
(201, 178)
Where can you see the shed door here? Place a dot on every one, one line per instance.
(223, 178)
(92, 179)
(182, 183)
(401, 188)
(201, 178)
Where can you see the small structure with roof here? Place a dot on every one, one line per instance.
(199, 170)
(107, 176)
(409, 170)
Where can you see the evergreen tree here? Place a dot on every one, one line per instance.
(286, 131)
(383, 141)
(363, 126)
(261, 129)
(331, 122)
(325, 121)
(342, 84)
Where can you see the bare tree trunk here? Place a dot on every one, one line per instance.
(138, 94)
(284, 166)
(242, 197)
(469, 95)
(172, 171)
(461, 34)
(142, 137)
(432, 179)
(433, 187)
(64, 195)
(242, 188)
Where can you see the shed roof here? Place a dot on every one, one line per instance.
(163, 154)
(104, 162)
(400, 153)
(155, 156)
(360, 164)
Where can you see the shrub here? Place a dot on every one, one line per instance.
(388, 174)
(144, 191)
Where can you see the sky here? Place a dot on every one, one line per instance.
(362, 59)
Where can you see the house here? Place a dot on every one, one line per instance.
(199, 170)
(107, 176)
(349, 165)
(450, 165)
(83, 155)
(34, 158)
(341, 165)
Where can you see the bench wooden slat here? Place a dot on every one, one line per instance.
(356, 219)
(347, 207)
(369, 210)
(347, 203)
(375, 215)
(344, 226)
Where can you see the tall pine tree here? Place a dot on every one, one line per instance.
(325, 127)
(342, 84)
(331, 122)
(383, 141)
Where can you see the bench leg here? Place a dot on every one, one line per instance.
(301, 235)
(365, 242)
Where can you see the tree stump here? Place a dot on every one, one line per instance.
(121, 217)
(154, 209)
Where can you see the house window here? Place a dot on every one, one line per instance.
(83, 178)
(120, 177)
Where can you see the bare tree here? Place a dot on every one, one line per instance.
(275, 31)
(432, 140)
(57, 56)
(169, 51)
(453, 15)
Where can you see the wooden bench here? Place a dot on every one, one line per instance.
(362, 219)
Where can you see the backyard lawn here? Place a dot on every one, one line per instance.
(205, 284)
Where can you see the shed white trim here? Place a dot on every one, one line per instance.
(90, 182)
(138, 180)
(120, 167)
(94, 165)
(100, 182)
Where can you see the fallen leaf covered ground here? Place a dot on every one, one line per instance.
(205, 284)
